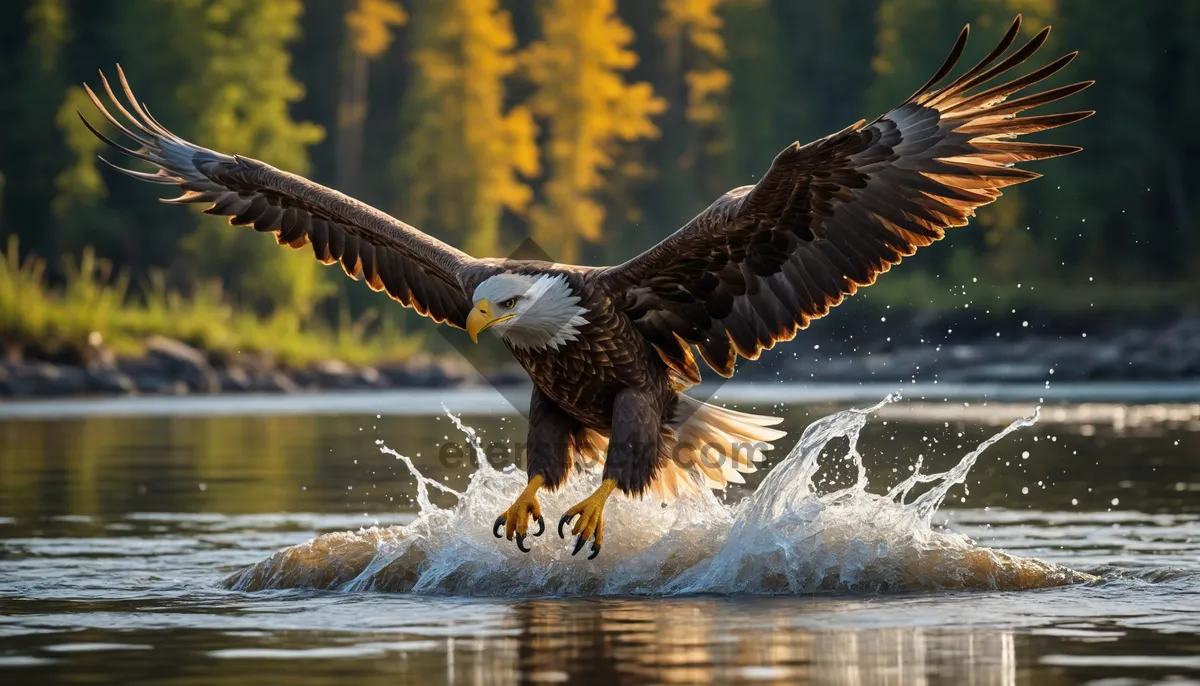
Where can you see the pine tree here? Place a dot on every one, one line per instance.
(221, 68)
(1125, 192)
(35, 85)
(800, 71)
(695, 83)
(590, 112)
(692, 30)
(913, 39)
(370, 25)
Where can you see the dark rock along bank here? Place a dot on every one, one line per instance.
(947, 347)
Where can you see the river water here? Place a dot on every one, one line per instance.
(123, 525)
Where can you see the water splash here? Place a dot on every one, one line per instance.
(784, 538)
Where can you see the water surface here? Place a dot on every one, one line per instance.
(116, 533)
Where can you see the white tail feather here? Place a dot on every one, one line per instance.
(705, 446)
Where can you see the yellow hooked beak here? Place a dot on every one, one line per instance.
(481, 318)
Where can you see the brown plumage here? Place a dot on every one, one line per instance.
(751, 270)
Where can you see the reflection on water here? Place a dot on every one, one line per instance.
(695, 643)
(115, 534)
(331, 463)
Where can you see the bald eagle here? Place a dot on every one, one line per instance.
(610, 349)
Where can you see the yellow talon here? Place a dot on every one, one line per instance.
(590, 524)
(516, 519)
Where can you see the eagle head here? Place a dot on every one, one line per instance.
(533, 311)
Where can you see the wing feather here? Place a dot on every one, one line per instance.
(827, 218)
(414, 268)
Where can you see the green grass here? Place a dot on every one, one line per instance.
(95, 300)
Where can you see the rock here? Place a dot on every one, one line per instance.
(110, 381)
(235, 379)
(42, 379)
(10, 387)
(152, 384)
(371, 378)
(149, 376)
(11, 383)
(55, 380)
(238, 379)
(1003, 372)
(508, 375)
(184, 363)
(329, 374)
(275, 382)
(423, 371)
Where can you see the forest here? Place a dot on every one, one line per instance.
(592, 127)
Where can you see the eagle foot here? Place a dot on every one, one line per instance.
(590, 525)
(515, 520)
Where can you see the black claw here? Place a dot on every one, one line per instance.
(541, 526)
(521, 543)
(566, 519)
(496, 527)
(595, 551)
(579, 541)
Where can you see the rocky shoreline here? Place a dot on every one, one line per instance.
(171, 367)
(965, 347)
(948, 347)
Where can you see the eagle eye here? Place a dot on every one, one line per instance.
(509, 304)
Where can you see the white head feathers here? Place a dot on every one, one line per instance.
(547, 313)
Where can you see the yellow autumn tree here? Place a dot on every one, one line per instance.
(370, 23)
(465, 156)
(590, 110)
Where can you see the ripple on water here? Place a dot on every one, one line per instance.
(784, 538)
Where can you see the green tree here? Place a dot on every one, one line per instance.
(800, 71)
(1126, 202)
(32, 148)
(690, 160)
(913, 39)
(370, 25)
(229, 67)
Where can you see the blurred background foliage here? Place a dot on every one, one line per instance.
(595, 126)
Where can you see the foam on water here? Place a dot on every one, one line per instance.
(786, 537)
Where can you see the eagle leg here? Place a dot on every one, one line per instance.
(631, 464)
(551, 433)
(515, 520)
(590, 525)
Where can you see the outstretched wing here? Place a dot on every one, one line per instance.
(414, 268)
(830, 216)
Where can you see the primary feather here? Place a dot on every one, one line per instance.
(828, 217)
